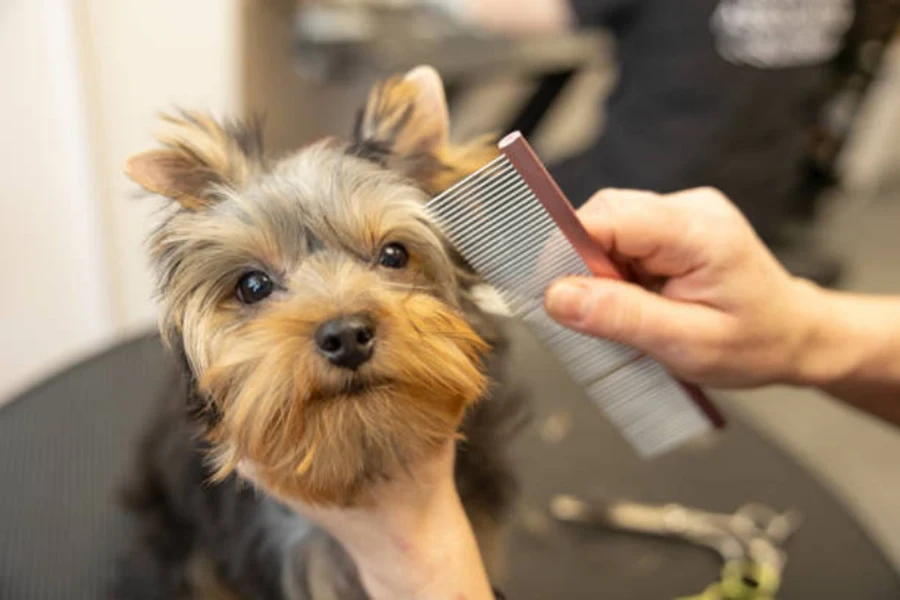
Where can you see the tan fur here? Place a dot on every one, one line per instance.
(316, 222)
(461, 161)
(198, 153)
(285, 410)
(404, 115)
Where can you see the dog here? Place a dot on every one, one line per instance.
(324, 332)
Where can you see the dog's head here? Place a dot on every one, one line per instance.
(317, 307)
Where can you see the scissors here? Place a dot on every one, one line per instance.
(750, 541)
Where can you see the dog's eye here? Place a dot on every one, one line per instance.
(254, 286)
(393, 256)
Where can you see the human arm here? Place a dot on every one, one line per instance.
(854, 353)
(409, 538)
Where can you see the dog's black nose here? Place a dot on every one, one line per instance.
(347, 341)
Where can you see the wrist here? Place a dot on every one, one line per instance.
(834, 340)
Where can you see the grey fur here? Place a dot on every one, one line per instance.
(313, 206)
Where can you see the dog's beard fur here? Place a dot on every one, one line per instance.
(315, 222)
(321, 434)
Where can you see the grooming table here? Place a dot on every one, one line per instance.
(65, 444)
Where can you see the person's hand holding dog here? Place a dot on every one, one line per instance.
(409, 537)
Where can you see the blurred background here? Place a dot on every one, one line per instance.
(83, 81)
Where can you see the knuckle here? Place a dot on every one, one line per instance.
(602, 201)
(719, 226)
(628, 323)
(704, 357)
(618, 200)
(700, 363)
(713, 194)
(712, 203)
(616, 204)
(709, 199)
(618, 320)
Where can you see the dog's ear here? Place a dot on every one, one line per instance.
(405, 125)
(198, 155)
(406, 115)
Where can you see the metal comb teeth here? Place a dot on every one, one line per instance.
(505, 220)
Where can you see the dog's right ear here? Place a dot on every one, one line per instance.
(405, 125)
(198, 156)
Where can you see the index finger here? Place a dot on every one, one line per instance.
(655, 231)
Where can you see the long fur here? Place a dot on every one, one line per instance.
(254, 389)
(411, 137)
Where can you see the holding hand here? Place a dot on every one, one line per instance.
(409, 537)
(723, 312)
(726, 312)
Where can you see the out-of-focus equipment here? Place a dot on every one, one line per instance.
(750, 541)
(876, 25)
(338, 39)
(344, 40)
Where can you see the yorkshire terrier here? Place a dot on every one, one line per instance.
(326, 334)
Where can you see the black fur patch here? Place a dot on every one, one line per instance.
(248, 135)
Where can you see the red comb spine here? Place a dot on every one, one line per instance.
(526, 162)
(520, 153)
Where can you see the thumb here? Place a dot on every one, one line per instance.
(623, 312)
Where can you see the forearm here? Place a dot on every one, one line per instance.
(403, 555)
(438, 560)
(409, 536)
(852, 350)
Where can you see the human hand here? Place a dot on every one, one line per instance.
(725, 312)
(408, 536)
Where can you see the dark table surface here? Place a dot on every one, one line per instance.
(65, 444)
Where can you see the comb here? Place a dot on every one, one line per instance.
(514, 226)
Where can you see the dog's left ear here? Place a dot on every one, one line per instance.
(406, 126)
(198, 156)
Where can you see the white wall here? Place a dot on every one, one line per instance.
(82, 83)
(54, 304)
(144, 57)
(869, 164)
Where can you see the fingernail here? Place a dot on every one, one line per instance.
(567, 301)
